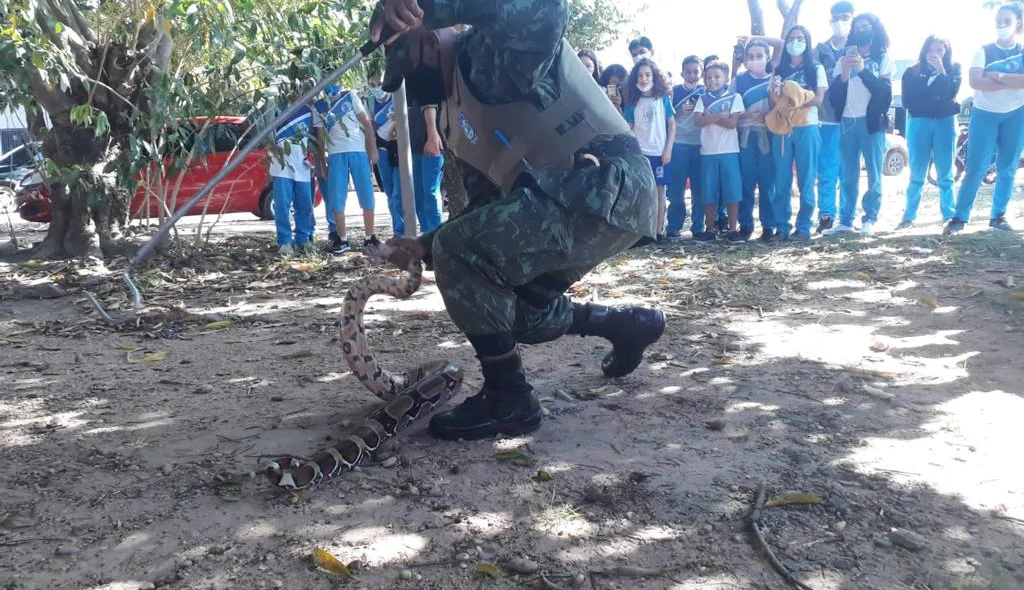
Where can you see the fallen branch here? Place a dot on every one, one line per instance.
(14, 542)
(755, 517)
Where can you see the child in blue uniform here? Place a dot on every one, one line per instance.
(650, 115)
(756, 163)
(997, 119)
(685, 164)
(717, 115)
(291, 174)
(930, 89)
(803, 146)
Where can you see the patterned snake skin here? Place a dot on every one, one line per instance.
(409, 396)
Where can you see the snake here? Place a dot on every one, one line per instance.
(409, 396)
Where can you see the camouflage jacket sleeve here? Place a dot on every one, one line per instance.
(510, 46)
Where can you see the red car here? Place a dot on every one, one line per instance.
(247, 189)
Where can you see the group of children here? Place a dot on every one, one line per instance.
(819, 111)
(340, 126)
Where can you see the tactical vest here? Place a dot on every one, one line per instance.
(547, 139)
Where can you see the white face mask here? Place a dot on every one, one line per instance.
(757, 66)
(645, 86)
(640, 56)
(796, 47)
(1006, 33)
(841, 28)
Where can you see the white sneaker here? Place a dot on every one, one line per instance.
(839, 229)
(867, 228)
(285, 250)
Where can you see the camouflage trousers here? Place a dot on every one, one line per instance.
(504, 267)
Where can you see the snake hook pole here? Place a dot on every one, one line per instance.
(387, 37)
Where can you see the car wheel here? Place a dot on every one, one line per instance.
(894, 164)
(266, 211)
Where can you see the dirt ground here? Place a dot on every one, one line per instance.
(881, 378)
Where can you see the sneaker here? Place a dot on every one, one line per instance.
(825, 223)
(839, 229)
(371, 242)
(338, 246)
(746, 234)
(661, 240)
(673, 236)
(735, 237)
(305, 248)
(707, 236)
(799, 236)
(285, 250)
(767, 235)
(1000, 223)
(867, 228)
(722, 225)
(904, 225)
(954, 227)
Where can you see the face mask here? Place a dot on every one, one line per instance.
(638, 57)
(796, 47)
(757, 66)
(645, 86)
(861, 38)
(378, 93)
(841, 28)
(1006, 33)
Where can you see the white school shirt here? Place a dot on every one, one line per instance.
(1000, 101)
(344, 131)
(857, 95)
(715, 139)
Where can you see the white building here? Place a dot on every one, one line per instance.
(13, 129)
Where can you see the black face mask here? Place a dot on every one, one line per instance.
(425, 85)
(861, 38)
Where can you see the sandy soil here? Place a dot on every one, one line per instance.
(882, 376)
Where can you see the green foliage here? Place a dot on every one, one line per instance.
(595, 24)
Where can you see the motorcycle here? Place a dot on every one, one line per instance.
(960, 162)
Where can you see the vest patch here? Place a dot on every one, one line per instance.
(569, 124)
(468, 130)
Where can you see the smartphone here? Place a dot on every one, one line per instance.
(852, 51)
(613, 91)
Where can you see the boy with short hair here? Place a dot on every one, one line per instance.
(830, 167)
(685, 164)
(717, 114)
(290, 173)
(351, 149)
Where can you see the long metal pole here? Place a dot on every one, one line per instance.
(405, 161)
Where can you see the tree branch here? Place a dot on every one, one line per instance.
(70, 11)
(791, 17)
(56, 103)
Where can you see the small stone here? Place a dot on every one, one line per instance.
(413, 491)
(406, 575)
(270, 558)
(278, 584)
(462, 557)
(715, 425)
(453, 469)
(203, 389)
(883, 542)
(594, 493)
(842, 563)
(737, 538)
(149, 585)
(167, 469)
(839, 526)
(521, 565)
(707, 528)
(734, 488)
(389, 462)
(67, 551)
(907, 539)
(579, 580)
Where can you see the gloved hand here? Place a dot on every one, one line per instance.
(399, 16)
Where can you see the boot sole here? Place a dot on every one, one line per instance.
(642, 345)
(524, 426)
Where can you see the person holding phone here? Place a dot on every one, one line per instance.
(997, 119)
(861, 90)
(685, 166)
(930, 89)
(612, 79)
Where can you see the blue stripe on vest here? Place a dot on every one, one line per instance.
(382, 115)
(698, 91)
(722, 104)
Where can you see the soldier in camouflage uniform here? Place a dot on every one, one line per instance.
(557, 184)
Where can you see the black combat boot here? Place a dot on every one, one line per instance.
(629, 329)
(505, 405)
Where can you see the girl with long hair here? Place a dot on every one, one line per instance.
(650, 115)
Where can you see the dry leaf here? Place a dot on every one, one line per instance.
(722, 361)
(488, 569)
(929, 302)
(149, 357)
(129, 347)
(1018, 295)
(615, 293)
(879, 347)
(792, 498)
(877, 393)
(330, 563)
(543, 476)
(862, 276)
(514, 457)
(13, 341)
(219, 325)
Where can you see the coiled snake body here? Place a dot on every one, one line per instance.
(409, 396)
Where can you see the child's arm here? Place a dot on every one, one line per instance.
(670, 140)
(433, 146)
(730, 121)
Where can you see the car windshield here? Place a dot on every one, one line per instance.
(15, 158)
